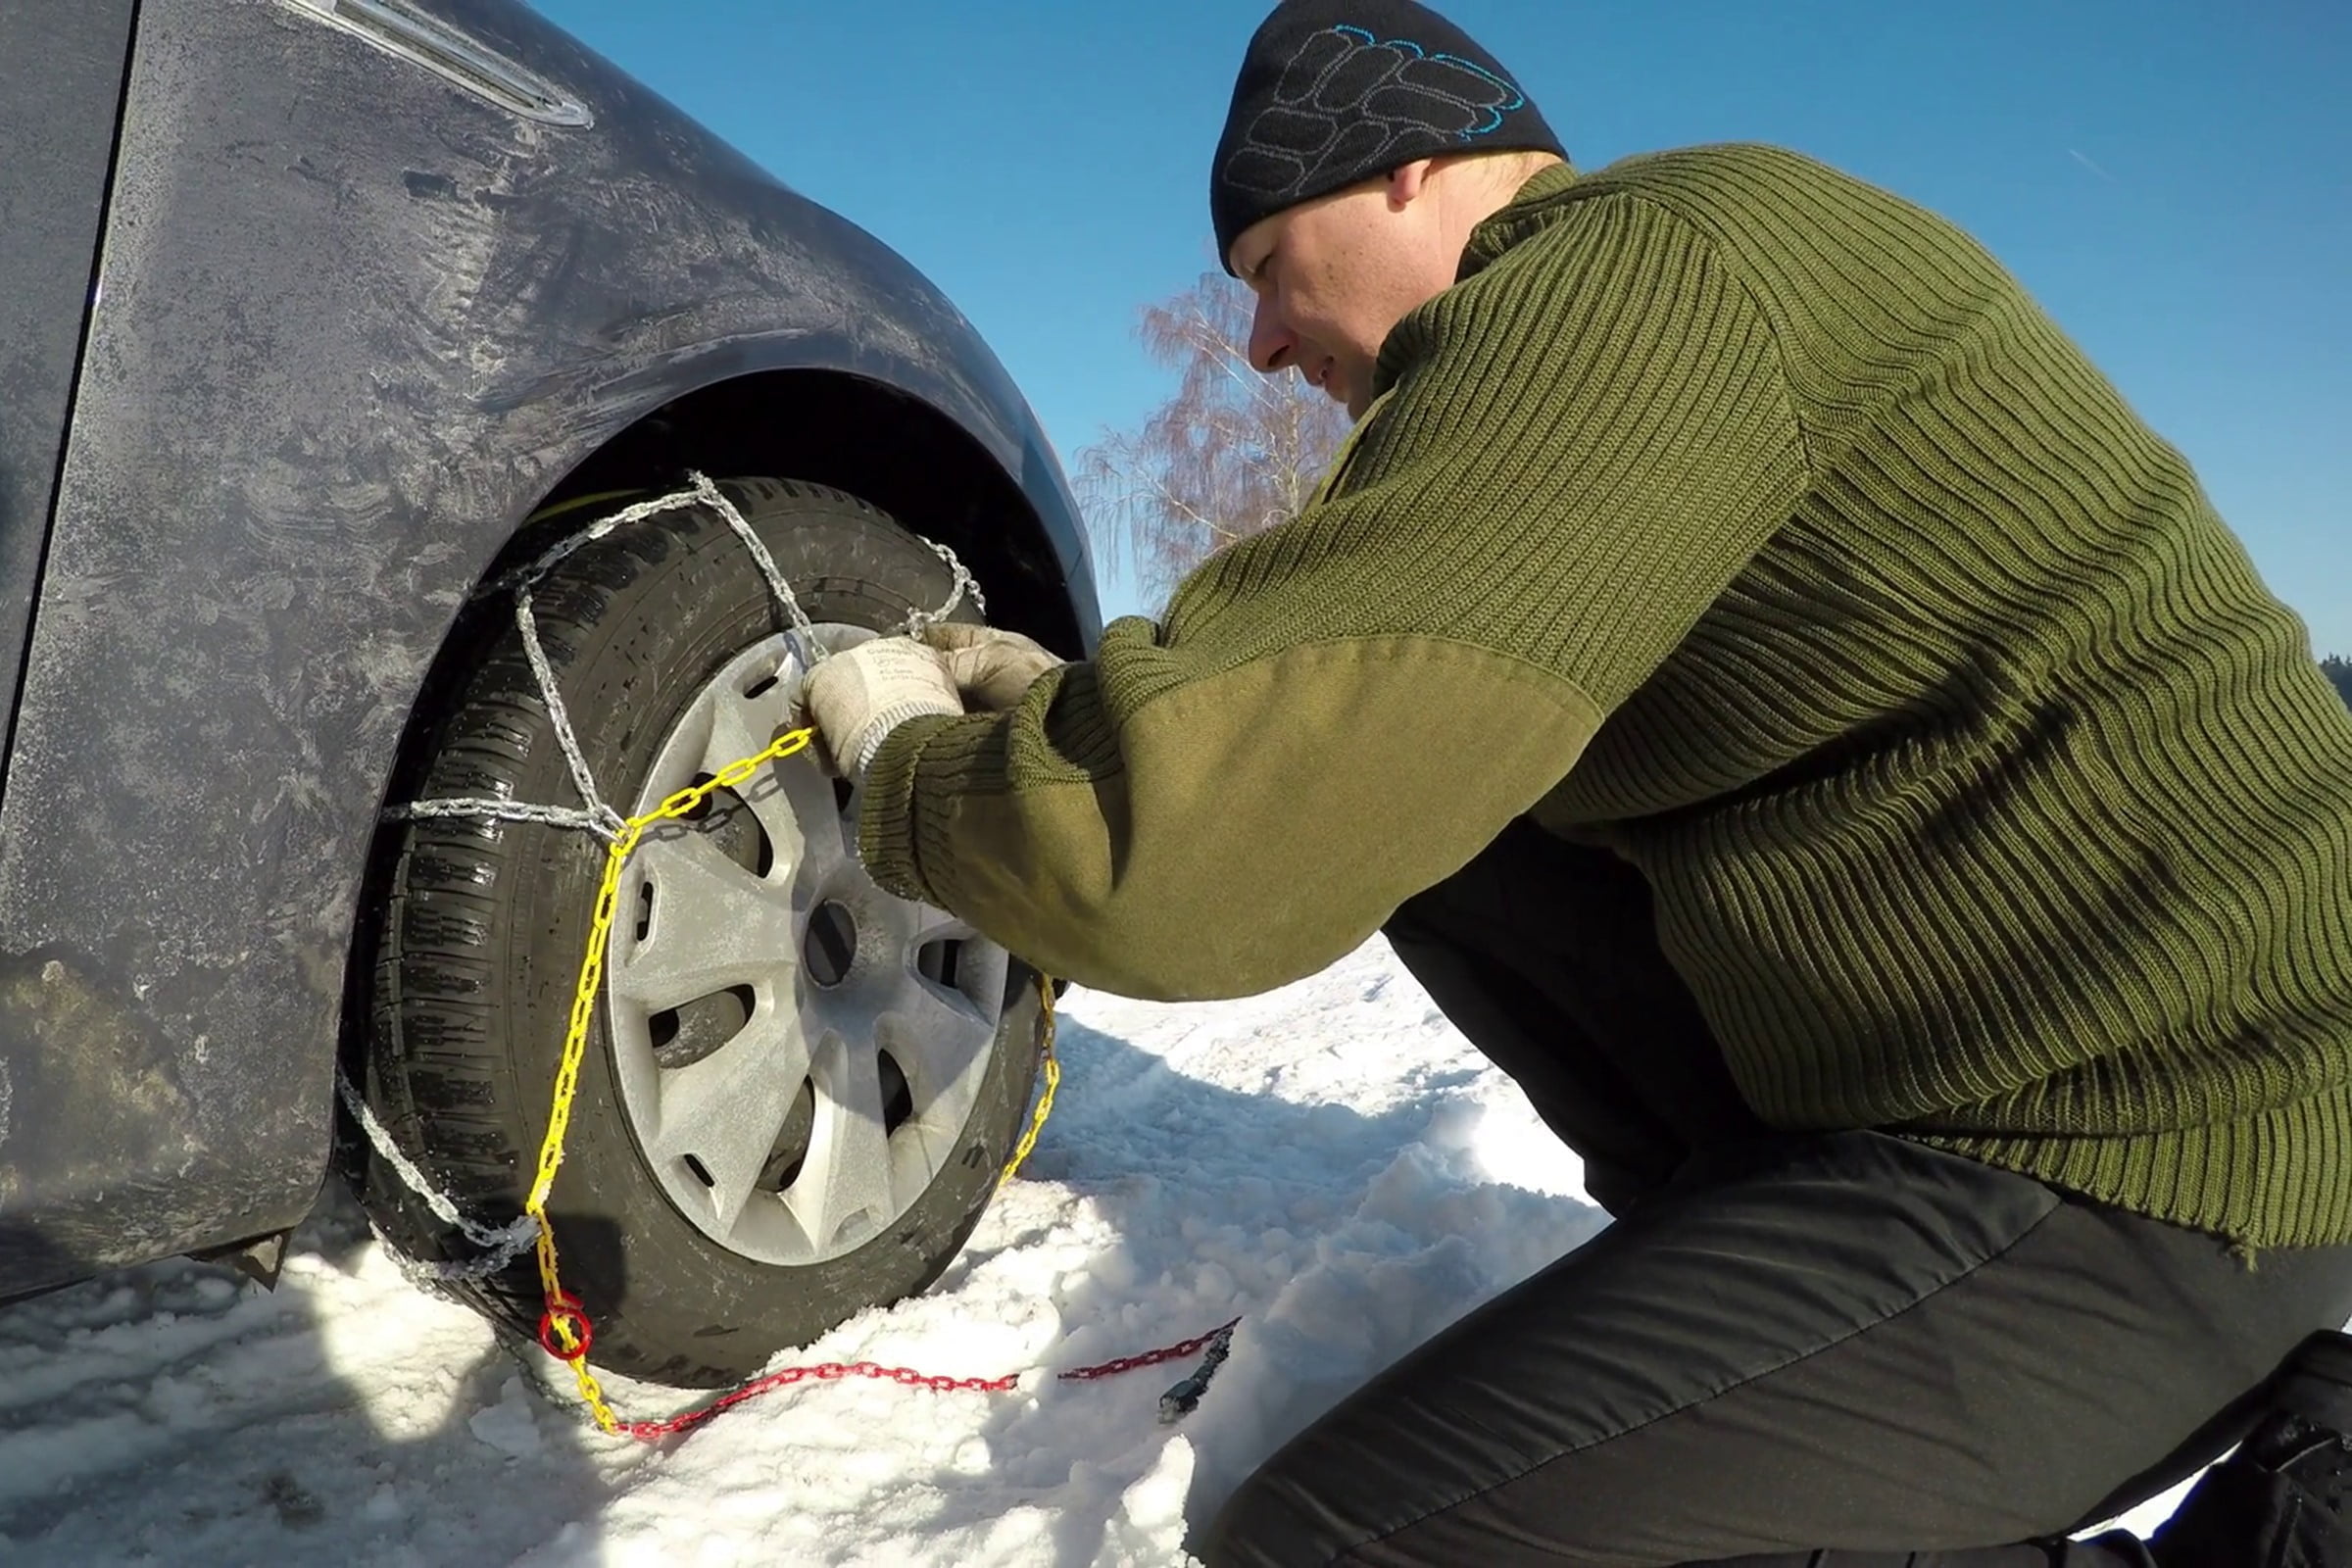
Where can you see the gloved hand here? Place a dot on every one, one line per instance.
(859, 696)
(991, 668)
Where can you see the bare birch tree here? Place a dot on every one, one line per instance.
(1231, 453)
(2338, 670)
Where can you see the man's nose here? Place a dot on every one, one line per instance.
(1272, 344)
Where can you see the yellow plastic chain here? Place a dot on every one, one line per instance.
(563, 1330)
(1044, 1101)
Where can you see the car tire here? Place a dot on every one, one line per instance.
(482, 927)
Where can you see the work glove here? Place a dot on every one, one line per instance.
(992, 670)
(860, 694)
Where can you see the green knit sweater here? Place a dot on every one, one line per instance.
(1754, 524)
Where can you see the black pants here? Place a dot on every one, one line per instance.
(1842, 1350)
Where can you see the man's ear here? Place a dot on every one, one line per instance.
(1408, 181)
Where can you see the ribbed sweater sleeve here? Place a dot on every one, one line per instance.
(1571, 454)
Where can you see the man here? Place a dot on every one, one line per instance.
(1801, 725)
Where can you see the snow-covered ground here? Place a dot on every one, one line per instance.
(1331, 1161)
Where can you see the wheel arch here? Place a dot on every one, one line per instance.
(857, 433)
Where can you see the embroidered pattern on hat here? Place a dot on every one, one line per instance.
(1347, 98)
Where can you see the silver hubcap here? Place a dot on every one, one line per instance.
(798, 1051)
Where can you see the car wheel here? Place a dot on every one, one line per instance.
(798, 1090)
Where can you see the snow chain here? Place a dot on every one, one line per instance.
(565, 1330)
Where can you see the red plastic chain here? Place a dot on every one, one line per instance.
(834, 1371)
(564, 1331)
(1128, 1364)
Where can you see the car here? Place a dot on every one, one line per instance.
(326, 326)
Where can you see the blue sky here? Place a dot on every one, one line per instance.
(2173, 180)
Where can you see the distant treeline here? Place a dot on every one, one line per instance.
(2337, 669)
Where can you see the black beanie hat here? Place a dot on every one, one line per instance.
(1335, 91)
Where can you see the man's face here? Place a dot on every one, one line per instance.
(1333, 276)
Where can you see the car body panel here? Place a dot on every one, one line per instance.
(61, 90)
(354, 323)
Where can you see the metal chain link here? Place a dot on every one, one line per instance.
(504, 1244)
(560, 716)
(778, 589)
(565, 816)
(922, 620)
